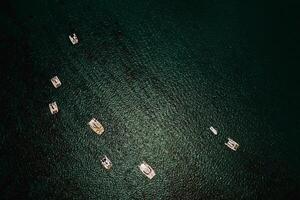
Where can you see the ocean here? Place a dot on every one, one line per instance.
(157, 75)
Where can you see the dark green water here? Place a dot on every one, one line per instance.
(157, 74)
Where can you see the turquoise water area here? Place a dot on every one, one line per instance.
(157, 74)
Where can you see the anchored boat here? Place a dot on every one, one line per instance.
(56, 82)
(96, 126)
(106, 163)
(232, 144)
(213, 130)
(147, 170)
(73, 38)
(53, 108)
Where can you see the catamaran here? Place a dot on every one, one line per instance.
(53, 108)
(106, 163)
(232, 144)
(56, 82)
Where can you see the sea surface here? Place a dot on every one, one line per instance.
(157, 75)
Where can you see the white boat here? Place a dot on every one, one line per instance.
(213, 130)
(106, 163)
(56, 82)
(73, 38)
(147, 170)
(232, 144)
(53, 108)
(96, 126)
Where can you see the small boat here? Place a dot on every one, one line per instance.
(53, 108)
(56, 82)
(96, 126)
(213, 130)
(232, 144)
(73, 38)
(147, 170)
(106, 163)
